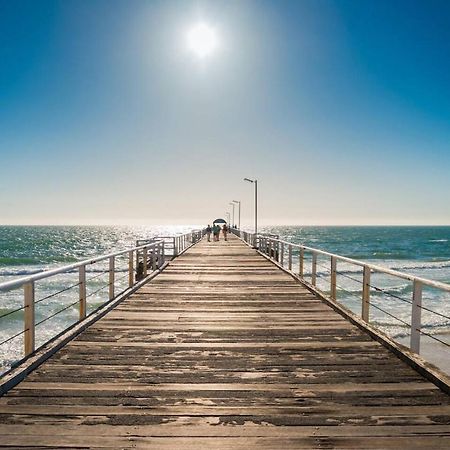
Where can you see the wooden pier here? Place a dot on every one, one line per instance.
(223, 350)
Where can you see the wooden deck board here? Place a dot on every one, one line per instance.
(224, 350)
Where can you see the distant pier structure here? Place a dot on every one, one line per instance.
(221, 345)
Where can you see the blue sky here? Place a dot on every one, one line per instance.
(341, 109)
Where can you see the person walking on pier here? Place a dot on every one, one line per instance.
(216, 231)
(225, 231)
(208, 232)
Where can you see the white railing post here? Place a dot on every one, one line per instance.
(333, 277)
(137, 261)
(154, 256)
(416, 319)
(314, 269)
(301, 262)
(130, 269)
(111, 276)
(29, 318)
(290, 257)
(144, 262)
(365, 309)
(175, 250)
(281, 260)
(82, 291)
(163, 253)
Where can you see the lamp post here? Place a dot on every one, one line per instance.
(228, 214)
(239, 212)
(255, 182)
(232, 223)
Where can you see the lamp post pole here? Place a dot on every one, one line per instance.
(228, 214)
(239, 212)
(232, 223)
(255, 182)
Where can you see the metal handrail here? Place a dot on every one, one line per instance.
(275, 249)
(179, 242)
(19, 282)
(373, 267)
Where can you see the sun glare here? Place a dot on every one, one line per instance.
(202, 40)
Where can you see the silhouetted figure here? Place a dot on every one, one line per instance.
(225, 231)
(216, 231)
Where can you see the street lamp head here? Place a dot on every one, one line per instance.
(248, 179)
(236, 201)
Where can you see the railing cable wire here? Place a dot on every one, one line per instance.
(97, 276)
(56, 293)
(349, 277)
(434, 337)
(13, 337)
(97, 290)
(434, 312)
(384, 291)
(390, 315)
(56, 313)
(12, 312)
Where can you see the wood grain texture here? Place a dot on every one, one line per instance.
(224, 351)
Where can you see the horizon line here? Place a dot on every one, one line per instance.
(192, 224)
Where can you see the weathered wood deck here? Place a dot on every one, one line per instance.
(224, 350)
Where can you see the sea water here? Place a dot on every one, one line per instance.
(421, 251)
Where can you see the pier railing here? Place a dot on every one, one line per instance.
(62, 297)
(368, 286)
(176, 244)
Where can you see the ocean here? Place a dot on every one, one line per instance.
(422, 251)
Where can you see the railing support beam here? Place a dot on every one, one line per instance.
(301, 262)
(130, 269)
(144, 261)
(112, 274)
(314, 269)
(82, 291)
(29, 323)
(365, 308)
(333, 290)
(416, 319)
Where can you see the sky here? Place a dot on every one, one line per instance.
(340, 109)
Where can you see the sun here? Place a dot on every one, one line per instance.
(202, 40)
